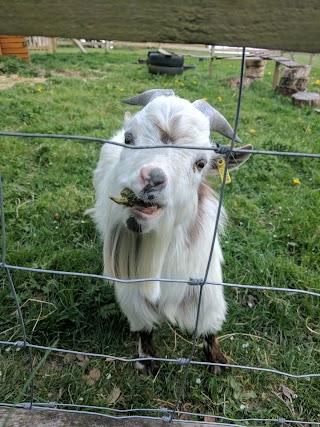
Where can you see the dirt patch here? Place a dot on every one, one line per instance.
(76, 74)
(6, 82)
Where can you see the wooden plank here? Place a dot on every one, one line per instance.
(79, 45)
(288, 63)
(43, 418)
(12, 39)
(8, 45)
(14, 50)
(275, 75)
(288, 24)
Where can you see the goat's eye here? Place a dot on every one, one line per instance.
(200, 164)
(128, 138)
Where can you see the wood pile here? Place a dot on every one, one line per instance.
(254, 70)
(294, 80)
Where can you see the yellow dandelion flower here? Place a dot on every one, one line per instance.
(176, 81)
(296, 181)
(204, 99)
(121, 89)
(39, 89)
(269, 73)
(182, 84)
(252, 131)
(219, 98)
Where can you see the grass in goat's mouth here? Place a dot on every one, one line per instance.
(128, 198)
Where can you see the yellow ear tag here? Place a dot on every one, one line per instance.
(221, 167)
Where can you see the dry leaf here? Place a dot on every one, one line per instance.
(83, 361)
(69, 357)
(114, 395)
(60, 394)
(184, 417)
(287, 393)
(93, 376)
(251, 301)
(209, 419)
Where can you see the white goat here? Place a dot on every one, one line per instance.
(167, 231)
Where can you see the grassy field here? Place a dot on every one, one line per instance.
(273, 239)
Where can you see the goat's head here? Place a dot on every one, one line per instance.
(166, 182)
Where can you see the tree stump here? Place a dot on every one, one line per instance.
(310, 99)
(293, 80)
(255, 68)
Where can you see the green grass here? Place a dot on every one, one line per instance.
(272, 240)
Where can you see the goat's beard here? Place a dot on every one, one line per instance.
(134, 254)
(134, 225)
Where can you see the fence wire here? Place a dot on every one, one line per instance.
(164, 414)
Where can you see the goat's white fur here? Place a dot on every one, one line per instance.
(176, 244)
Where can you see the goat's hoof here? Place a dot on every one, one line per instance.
(217, 369)
(144, 368)
(141, 368)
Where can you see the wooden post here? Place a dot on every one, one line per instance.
(311, 58)
(211, 62)
(275, 75)
(276, 72)
(52, 45)
(79, 45)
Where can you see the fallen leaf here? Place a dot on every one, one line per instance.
(83, 361)
(287, 393)
(60, 394)
(114, 395)
(251, 301)
(184, 417)
(95, 374)
(209, 419)
(69, 357)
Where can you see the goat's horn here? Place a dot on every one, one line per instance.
(218, 123)
(147, 96)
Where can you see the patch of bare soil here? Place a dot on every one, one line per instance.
(76, 74)
(6, 82)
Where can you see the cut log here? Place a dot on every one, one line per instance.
(293, 80)
(255, 68)
(310, 99)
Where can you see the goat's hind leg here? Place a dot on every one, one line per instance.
(213, 353)
(146, 348)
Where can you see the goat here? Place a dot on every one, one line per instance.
(166, 231)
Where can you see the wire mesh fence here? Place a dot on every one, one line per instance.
(163, 413)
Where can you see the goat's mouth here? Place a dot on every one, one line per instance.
(140, 208)
(145, 210)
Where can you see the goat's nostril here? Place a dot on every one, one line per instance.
(153, 177)
(157, 177)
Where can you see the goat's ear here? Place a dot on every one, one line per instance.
(237, 158)
(127, 118)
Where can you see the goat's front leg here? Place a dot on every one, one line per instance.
(146, 348)
(213, 352)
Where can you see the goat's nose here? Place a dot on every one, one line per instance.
(153, 178)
